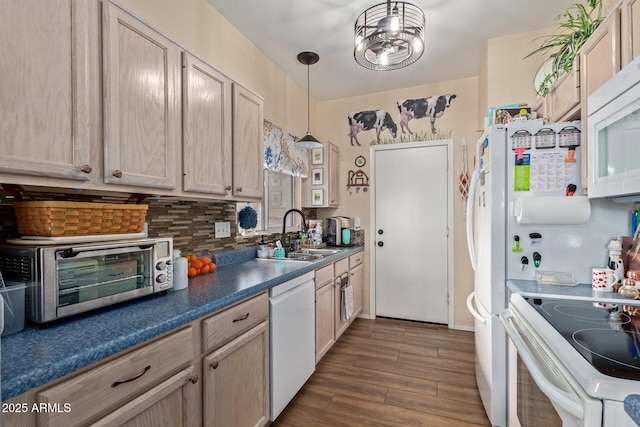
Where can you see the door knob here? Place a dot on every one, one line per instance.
(381, 244)
(380, 231)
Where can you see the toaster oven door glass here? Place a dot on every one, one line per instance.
(93, 275)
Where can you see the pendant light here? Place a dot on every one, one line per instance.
(308, 141)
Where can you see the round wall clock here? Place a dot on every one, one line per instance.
(360, 161)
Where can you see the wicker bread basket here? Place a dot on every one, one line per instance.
(57, 218)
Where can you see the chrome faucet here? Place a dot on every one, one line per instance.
(284, 223)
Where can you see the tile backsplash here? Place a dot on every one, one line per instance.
(190, 223)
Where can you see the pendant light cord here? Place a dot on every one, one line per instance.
(308, 103)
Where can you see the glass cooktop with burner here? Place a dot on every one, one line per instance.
(606, 335)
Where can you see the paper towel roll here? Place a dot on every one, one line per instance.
(552, 210)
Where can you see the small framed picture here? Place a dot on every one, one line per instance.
(317, 176)
(317, 157)
(317, 198)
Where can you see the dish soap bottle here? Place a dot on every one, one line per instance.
(615, 257)
(180, 271)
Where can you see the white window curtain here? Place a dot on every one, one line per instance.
(281, 154)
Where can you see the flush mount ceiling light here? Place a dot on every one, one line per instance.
(389, 36)
(308, 141)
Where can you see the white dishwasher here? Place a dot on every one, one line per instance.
(292, 339)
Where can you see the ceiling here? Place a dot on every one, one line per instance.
(456, 36)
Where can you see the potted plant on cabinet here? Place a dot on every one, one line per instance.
(576, 24)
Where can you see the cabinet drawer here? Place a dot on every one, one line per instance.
(341, 266)
(356, 259)
(220, 328)
(324, 275)
(117, 381)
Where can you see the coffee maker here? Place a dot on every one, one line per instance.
(334, 228)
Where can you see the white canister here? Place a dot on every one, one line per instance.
(180, 271)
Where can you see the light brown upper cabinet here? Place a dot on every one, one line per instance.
(563, 100)
(45, 105)
(599, 61)
(327, 193)
(248, 134)
(142, 103)
(206, 138)
(630, 30)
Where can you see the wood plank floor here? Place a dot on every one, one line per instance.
(387, 372)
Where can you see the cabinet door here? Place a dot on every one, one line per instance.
(333, 198)
(141, 102)
(174, 402)
(325, 309)
(248, 135)
(630, 30)
(206, 110)
(357, 281)
(330, 186)
(44, 101)
(236, 381)
(599, 61)
(564, 97)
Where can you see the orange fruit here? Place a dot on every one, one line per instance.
(205, 260)
(192, 272)
(197, 264)
(204, 269)
(212, 268)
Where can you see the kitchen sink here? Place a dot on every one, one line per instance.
(307, 255)
(323, 252)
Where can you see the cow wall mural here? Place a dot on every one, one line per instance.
(379, 120)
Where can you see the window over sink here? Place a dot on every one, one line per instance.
(279, 196)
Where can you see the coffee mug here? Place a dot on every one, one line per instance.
(346, 236)
(603, 279)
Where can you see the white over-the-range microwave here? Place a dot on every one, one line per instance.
(614, 137)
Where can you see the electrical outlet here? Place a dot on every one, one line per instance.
(222, 229)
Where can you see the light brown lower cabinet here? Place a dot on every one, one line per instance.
(211, 372)
(329, 324)
(236, 381)
(356, 278)
(325, 309)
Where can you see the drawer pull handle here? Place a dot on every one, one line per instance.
(144, 371)
(117, 173)
(214, 365)
(240, 319)
(194, 379)
(228, 188)
(86, 169)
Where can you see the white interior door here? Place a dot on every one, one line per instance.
(411, 194)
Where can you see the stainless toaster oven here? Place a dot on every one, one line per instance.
(63, 280)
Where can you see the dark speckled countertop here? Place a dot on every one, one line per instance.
(34, 357)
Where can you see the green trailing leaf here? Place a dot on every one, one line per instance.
(575, 26)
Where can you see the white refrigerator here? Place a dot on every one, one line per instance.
(526, 183)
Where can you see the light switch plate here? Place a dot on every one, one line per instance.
(222, 229)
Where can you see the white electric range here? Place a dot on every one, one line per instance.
(583, 357)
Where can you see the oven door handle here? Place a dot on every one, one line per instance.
(569, 402)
